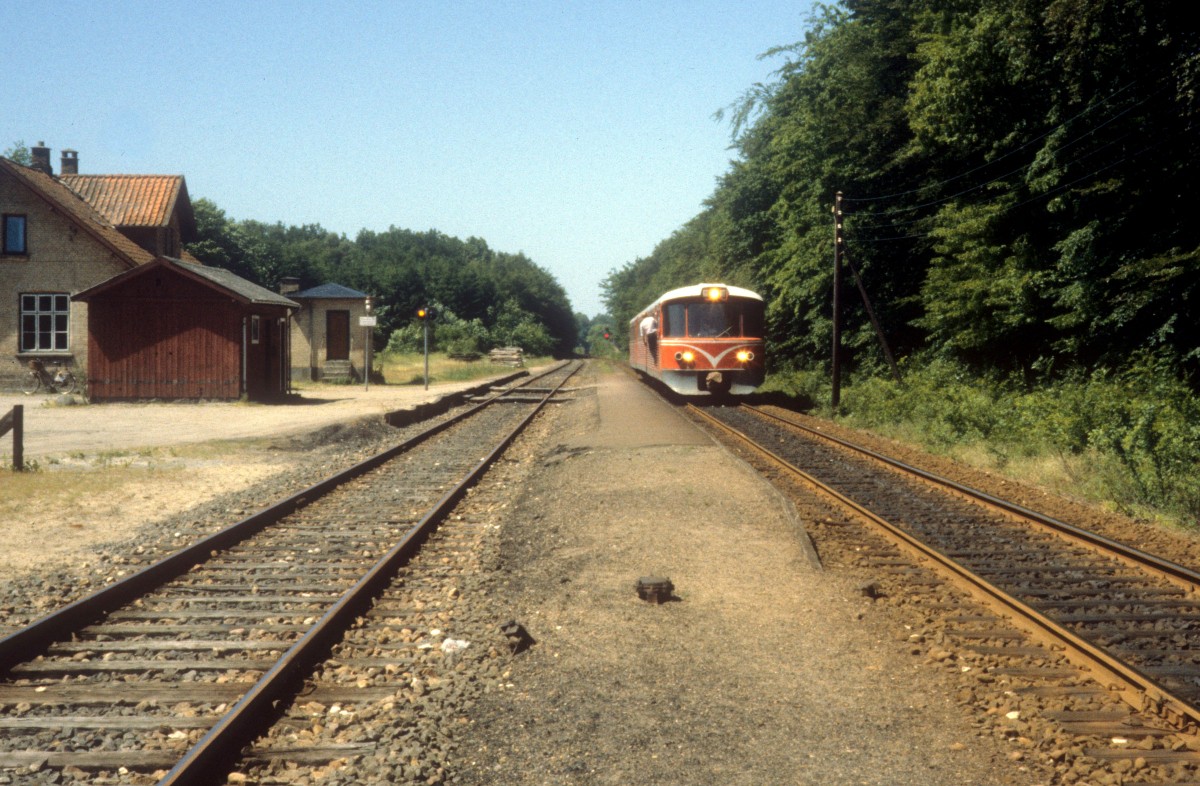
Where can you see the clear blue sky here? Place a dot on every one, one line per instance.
(578, 133)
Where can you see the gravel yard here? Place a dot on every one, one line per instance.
(60, 425)
(141, 462)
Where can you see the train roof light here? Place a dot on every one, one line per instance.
(716, 294)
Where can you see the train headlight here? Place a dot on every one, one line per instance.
(716, 294)
(685, 358)
(745, 356)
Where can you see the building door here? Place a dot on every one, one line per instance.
(337, 335)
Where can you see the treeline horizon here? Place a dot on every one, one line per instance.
(482, 297)
(1019, 180)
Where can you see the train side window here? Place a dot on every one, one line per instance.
(753, 323)
(673, 320)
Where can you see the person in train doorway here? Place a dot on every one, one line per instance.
(649, 330)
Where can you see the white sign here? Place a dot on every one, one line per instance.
(366, 321)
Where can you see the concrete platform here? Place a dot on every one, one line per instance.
(631, 415)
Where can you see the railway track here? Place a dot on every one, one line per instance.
(337, 594)
(1129, 620)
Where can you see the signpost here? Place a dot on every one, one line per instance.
(367, 323)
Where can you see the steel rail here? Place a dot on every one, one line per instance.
(23, 644)
(1135, 687)
(220, 746)
(1174, 572)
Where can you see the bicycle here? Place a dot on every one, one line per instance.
(61, 381)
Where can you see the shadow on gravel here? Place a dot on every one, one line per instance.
(299, 399)
(361, 429)
(781, 400)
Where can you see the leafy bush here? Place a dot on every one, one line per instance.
(406, 338)
(1151, 423)
(1138, 432)
(802, 385)
(531, 337)
(939, 398)
(462, 338)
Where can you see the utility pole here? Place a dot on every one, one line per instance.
(836, 371)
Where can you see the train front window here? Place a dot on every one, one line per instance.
(712, 320)
(732, 319)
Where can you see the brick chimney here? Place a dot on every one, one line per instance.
(289, 285)
(41, 158)
(70, 162)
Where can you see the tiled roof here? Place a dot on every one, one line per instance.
(330, 292)
(76, 209)
(132, 200)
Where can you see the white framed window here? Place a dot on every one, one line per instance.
(255, 328)
(13, 232)
(45, 321)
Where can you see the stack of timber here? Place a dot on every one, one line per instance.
(507, 356)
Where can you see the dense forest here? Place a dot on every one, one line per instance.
(483, 298)
(1018, 178)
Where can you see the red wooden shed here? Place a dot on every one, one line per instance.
(176, 330)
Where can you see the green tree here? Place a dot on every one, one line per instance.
(19, 153)
(401, 269)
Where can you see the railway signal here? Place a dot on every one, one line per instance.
(426, 314)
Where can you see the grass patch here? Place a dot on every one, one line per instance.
(409, 368)
(57, 485)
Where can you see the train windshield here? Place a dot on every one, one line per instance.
(713, 320)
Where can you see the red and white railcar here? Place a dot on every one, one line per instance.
(705, 339)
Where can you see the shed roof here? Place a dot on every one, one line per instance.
(330, 292)
(136, 200)
(218, 277)
(248, 290)
(78, 211)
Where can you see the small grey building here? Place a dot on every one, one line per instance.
(328, 342)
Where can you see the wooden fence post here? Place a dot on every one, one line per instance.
(14, 420)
